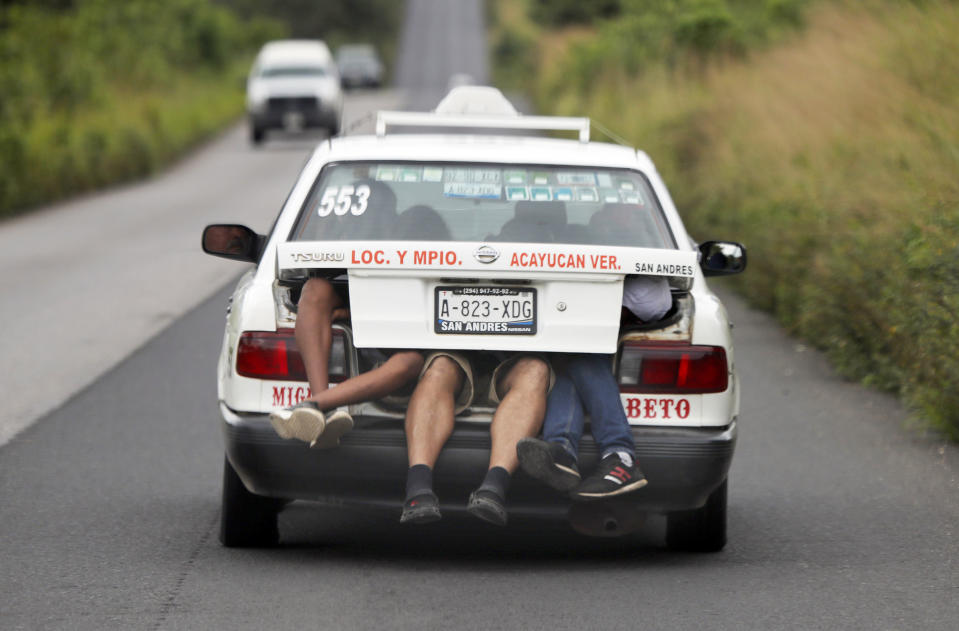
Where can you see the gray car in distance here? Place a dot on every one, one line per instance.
(359, 66)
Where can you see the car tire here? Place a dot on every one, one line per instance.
(246, 520)
(702, 529)
(257, 134)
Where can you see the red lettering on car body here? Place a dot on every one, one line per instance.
(285, 396)
(650, 408)
(368, 257)
(600, 261)
(655, 408)
(664, 404)
(435, 257)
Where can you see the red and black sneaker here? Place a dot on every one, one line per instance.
(612, 477)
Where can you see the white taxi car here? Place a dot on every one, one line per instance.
(453, 237)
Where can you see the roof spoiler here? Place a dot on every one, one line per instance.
(386, 119)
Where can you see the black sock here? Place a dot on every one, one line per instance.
(496, 480)
(419, 480)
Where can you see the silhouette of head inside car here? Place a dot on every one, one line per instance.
(535, 222)
(422, 223)
(624, 224)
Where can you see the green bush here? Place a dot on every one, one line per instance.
(336, 21)
(96, 91)
(707, 27)
(561, 12)
(832, 155)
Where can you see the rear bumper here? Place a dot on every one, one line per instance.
(683, 465)
(309, 117)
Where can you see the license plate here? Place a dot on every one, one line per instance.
(485, 311)
(293, 121)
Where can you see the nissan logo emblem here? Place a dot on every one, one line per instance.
(486, 254)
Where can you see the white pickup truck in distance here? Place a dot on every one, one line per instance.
(293, 85)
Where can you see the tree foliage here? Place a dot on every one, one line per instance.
(96, 90)
(830, 150)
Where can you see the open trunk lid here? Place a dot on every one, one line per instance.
(468, 295)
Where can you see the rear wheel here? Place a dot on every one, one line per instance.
(257, 133)
(700, 530)
(246, 519)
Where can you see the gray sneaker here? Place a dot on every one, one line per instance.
(305, 421)
(338, 423)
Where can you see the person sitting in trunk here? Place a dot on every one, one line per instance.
(311, 420)
(518, 387)
(585, 384)
(317, 420)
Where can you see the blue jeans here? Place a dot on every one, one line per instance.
(586, 381)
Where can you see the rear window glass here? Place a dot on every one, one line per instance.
(482, 202)
(293, 71)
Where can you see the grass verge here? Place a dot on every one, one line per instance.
(831, 150)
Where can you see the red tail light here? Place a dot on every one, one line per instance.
(275, 356)
(663, 369)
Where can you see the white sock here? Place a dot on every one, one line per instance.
(626, 457)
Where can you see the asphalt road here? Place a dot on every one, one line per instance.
(839, 518)
(85, 283)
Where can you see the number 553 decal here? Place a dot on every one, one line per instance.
(340, 200)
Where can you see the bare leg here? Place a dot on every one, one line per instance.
(429, 417)
(520, 412)
(392, 375)
(314, 334)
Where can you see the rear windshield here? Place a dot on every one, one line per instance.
(482, 202)
(353, 53)
(293, 71)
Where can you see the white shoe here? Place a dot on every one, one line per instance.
(304, 421)
(337, 424)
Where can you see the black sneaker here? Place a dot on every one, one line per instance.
(548, 462)
(421, 509)
(612, 477)
(488, 506)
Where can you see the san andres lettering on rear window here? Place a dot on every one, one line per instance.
(464, 256)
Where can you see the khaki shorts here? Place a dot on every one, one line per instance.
(465, 397)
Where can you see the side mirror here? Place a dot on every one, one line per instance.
(232, 241)
(721, 258)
